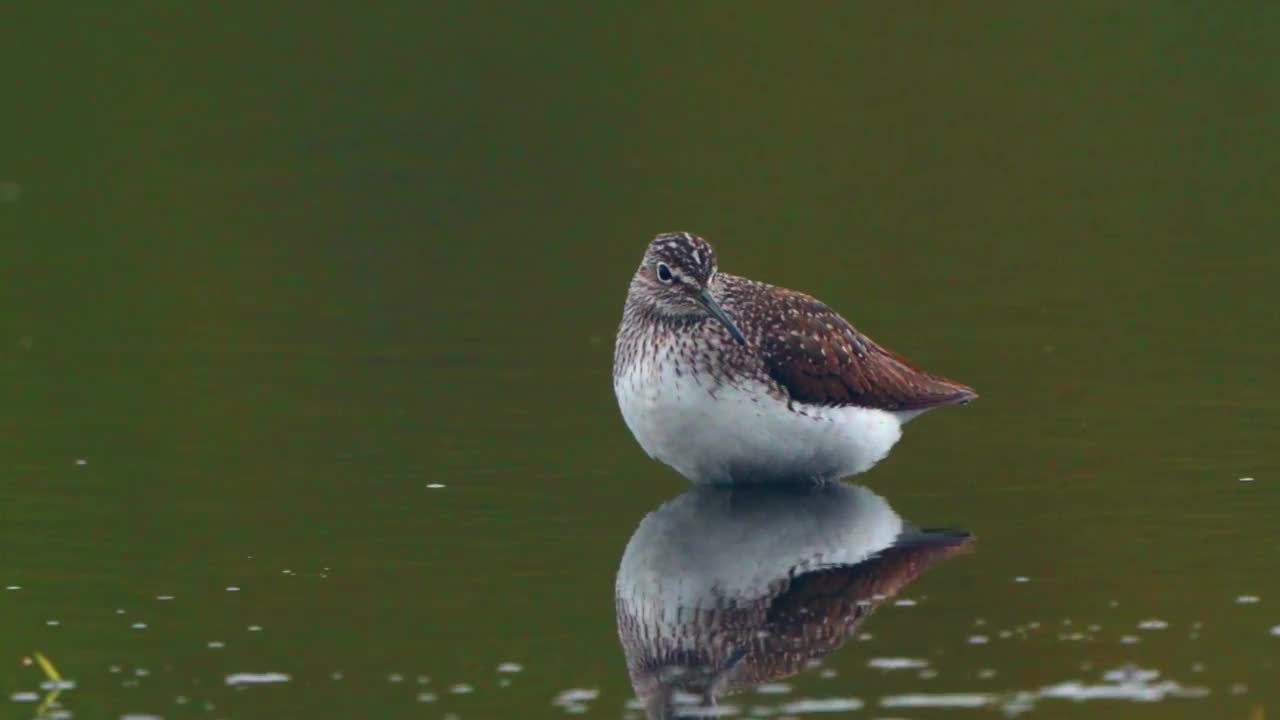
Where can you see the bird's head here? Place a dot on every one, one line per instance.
(674, 279)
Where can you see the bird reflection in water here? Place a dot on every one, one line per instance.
(724, 588)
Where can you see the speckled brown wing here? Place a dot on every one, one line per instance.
(819, 358)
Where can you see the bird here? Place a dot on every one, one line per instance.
(731, 380)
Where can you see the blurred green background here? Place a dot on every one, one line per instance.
(268, 270)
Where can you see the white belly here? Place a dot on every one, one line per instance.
(734, 433)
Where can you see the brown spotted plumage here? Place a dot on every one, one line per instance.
(817, 357)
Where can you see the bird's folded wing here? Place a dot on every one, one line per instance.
(820, 359)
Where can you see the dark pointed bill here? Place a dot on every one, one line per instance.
(714, 309)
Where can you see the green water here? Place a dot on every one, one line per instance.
(269, 272)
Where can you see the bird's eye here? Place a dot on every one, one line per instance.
(664, 273)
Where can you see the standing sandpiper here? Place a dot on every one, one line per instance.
(730, 380)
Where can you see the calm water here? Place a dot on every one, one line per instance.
(305, 343)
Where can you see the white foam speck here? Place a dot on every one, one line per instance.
(137, 716)
(215, 644)
(256, 678)
(1246, 479)
(426, 697)
(139, 626)
(24, 697)
(577, 695)
(1248, 599)
(255, 628)
(1275, 631)
(574, 700)
(53, 623)
(773, 689)
(978, 639)
(1129, 640)
(1022, 579)
(826, 705)
(938, 700)
(461, 689)
(164, 597)
(1153, 624)
(1134, 684)
(232, 588)
(510, 667)
(395, 678)
(905, 602)
(435, 486)
(897, 663)
(81, 462)
(13, 587)
(1130, 675)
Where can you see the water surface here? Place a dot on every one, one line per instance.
(307, 318)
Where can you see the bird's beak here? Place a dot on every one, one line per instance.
(713, 308)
